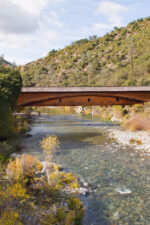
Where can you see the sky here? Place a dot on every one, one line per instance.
(29, 29)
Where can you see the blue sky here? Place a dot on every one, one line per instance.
(29, 29)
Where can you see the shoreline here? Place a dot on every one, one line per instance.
(139, 140)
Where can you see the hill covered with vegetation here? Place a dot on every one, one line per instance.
(120, 58)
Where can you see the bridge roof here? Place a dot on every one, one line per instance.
(86, 89)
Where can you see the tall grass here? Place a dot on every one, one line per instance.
(138, 122)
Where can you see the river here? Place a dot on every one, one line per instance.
(119, 178)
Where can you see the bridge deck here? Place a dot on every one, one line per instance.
(83, 96)
(85, 89)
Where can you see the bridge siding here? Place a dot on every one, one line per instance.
(84, 96)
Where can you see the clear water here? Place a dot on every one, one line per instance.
(112, 170)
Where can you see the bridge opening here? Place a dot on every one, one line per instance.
(117, 99)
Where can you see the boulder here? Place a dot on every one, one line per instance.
(50, 167)
(14, 156)
(83, 191)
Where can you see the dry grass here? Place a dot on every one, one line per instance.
(135, 141)
(137, 123)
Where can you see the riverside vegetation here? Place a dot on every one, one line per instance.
(31, 195)
(31, 192)
(132, 118)
(10, 124)
(10, 87)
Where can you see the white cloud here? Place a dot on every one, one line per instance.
(55, 18)
(101, 26)
(14, 19)
(109, 8)
(112, 11)
(24, 16)
(32, 6)
(28, 28)
(14, 42)
(35, 6)
(50, 35)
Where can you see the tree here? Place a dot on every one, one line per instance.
(94, 37)
(10, 87)
(131, 49)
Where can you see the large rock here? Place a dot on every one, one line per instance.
(50, 167)
(14, 156)
(83, 191)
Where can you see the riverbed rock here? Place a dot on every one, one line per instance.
(123, 191)
(50, 167)
(80, 191)
(60, 167)
(83, 183)
(80, 109)
(86, 168)
(83, 191)
(76, 191)
(14, 156)
(138, 139)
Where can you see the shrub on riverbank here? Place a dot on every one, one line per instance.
(137, 123)
(7, 148)
(49, 145)
(133, 118)
(7, 125)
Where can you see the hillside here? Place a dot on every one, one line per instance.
(120, 58)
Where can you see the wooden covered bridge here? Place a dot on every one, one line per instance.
(83, 96)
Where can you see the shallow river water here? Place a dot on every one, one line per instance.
(119, 177)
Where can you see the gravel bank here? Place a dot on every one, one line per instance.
(139, 139)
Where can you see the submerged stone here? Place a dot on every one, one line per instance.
(123, 191)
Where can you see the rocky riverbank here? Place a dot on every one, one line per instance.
(139, 140)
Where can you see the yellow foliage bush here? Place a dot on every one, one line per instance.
(16, 191)
(70, 217)
(40, 198)
(49, 219)
(22, 167)
(134, 141)
(61, 214)
(49, 145)
(59, 179)
(10, 217)
(74, 203)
